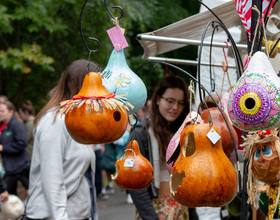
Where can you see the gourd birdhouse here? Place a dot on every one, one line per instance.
(254, 101)
(95, 115)
(120, 79)
(202, 174)
(133, 171)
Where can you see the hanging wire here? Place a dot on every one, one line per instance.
(212, 81)
(112, 16)
(90, 38)
(236, 53)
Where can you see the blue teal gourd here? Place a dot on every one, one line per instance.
(120, 79)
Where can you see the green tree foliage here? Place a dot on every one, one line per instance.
(39, 38)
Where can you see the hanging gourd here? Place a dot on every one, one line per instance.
(133, 171)
(220, 123)
(254, 101)
(120, 79)
(262, 149)
(95, 115)
(173, 149)
(202, 174)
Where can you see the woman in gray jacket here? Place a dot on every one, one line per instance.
(58, 186)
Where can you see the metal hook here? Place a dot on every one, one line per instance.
(112, 16)
(82, 35)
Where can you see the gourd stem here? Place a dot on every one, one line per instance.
(132, 151)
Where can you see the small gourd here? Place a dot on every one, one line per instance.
(133, 171)
(202, 175)
(95, 115)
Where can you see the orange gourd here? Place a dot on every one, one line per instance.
(220, 123)
(133, 171)
(95, 115)
(202, 175)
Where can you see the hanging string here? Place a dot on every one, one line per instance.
(192, 95)
(225, 69)
(116, 21)
(256, 30)
(265, 38)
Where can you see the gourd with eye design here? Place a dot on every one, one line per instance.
(202, 175)
(95, 115)
(254, 103)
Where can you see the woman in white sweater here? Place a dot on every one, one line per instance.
(58, 187)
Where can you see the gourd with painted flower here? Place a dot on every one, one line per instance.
(120, 79)
(95, 115)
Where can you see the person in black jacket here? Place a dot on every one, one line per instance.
(13, 142)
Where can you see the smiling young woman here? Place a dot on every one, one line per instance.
(169, 108)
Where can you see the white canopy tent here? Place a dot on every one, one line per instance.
(189, 32)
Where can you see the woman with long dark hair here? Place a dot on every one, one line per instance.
(169, 108)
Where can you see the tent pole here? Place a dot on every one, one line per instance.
(254, 48)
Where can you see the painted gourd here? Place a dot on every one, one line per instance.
(120, 79)
(220, 123)
(133, 171)
(254, 101)
(175, 140)
(95, 115)
(202, 174)
(265, 163)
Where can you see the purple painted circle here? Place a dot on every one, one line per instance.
(264, 108)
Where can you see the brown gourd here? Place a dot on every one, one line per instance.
(202, 175)
(220, 123)
(97, 117)
(137, 176)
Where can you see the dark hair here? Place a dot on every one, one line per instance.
(27, 107)
(68, 85)
(162, 130)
